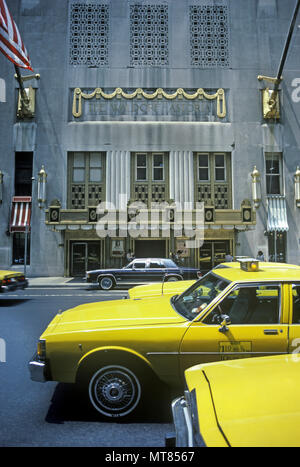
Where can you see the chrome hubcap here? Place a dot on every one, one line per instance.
(114, 391)
(106, 283)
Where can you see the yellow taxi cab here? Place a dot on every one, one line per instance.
(252, 402)
(11, 280)
(119, 350)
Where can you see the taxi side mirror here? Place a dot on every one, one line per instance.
(224, 321)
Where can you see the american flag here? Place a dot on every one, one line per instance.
(11, 44)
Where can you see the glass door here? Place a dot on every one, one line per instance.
(277, 246)
(213, 253)
(78, 258)
(93, 258)
(85, 256)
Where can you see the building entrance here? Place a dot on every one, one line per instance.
(213, 253)
(84, 256)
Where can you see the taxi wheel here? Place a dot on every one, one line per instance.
(114, 391)
(106, 283)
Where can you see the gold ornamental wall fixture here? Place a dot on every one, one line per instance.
(270, 98)
(139, 93)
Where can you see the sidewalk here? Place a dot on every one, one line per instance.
(76, 282)
(69, 282)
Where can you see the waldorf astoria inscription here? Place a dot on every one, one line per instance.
(141, 105)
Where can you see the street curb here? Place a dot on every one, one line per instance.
(77, 286)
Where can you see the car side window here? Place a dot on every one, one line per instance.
(296, 303)
(139, 265)
(156, 265)
(259, 304)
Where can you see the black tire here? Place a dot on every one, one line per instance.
(106, 283)
(115, 391)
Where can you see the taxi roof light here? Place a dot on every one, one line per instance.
(249, 264)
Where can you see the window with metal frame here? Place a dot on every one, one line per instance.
(86, 185)
(150, 175)
(273, 173)
(213, 179)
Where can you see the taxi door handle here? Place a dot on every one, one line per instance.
(270, 331)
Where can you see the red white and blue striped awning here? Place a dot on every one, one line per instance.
(20, 214)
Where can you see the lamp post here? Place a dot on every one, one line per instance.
(297, 186)
(42, 180)
(255, 187)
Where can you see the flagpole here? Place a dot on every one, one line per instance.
(20, 81)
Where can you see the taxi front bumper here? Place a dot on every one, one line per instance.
(38, 370)
(185, 433)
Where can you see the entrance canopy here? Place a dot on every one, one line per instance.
(20, 214)
(277, 218)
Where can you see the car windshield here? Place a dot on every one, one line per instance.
(195, 299)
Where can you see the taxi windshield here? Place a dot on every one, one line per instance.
(191, 302)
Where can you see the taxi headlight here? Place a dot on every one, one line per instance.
(41, 349)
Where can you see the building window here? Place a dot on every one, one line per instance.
(18, 251)
(213, 179)
(273, 174)
(209, 36)
(89, 32)
(149, 35)
(150, 177)
(23, 173)
(86, 185)
(203, 167)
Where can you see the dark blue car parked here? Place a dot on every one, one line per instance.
(142, 270)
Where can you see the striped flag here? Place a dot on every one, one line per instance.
(11, 44)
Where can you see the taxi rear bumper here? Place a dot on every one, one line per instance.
(13, 285)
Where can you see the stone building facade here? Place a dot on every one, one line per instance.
(150, 101)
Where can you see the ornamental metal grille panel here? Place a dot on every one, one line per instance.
(204, 194)
(89, 30)
(218, 197)
(209, 36)
(221, 197)
(95, 194)
(149, 35)
(157, 194)
(77, 196)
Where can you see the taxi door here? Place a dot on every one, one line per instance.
(294, 319)
(257, 327)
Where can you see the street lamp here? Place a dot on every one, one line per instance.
(255, 187)
(297, 186)
(42, 179)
